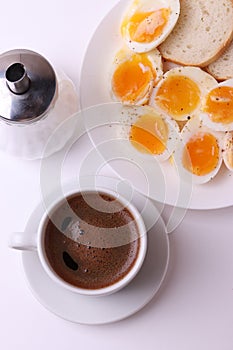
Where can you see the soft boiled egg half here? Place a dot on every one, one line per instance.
(200, 151)
(228, 150)
(180, 92)
(147, 23)
(217, 109)
(150, 132)
(134, 75)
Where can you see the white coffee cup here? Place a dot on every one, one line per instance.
(36, 242)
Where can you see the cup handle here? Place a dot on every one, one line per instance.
(18, 241)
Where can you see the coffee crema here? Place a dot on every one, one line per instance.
(97, 245)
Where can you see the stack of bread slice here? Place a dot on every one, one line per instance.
(203, 37)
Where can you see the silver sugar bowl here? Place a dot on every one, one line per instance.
(34, 101)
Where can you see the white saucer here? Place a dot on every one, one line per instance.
(101, 310)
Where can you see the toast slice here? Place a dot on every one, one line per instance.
(203, 31)
(222, 68)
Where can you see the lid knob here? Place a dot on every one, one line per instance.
(17, 78)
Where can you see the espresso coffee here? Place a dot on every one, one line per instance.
(96, 245)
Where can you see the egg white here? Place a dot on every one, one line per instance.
(146, 6)
(193, 127)
(204, 81)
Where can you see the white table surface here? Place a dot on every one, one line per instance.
(194, 308)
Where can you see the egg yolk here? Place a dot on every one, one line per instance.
(201, 154)
(132, 78)
(219, 105)
(145, 27)
(149, 134)
(178, 96)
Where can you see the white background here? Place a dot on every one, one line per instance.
(194, 308)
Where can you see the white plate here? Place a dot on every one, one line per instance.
(94, 89)
(101, 310)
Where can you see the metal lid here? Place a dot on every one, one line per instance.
(27, 85)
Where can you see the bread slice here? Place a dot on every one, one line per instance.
(222, 68)
(203, 30)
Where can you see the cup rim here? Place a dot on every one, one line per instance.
(104, 290)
